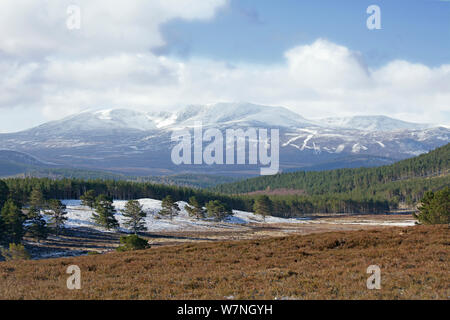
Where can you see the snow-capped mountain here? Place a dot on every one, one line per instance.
(102, 120)
(139, 143)
(372, 123)
(221, 114)
(242, 114)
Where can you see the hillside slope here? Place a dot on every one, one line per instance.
(434, 163)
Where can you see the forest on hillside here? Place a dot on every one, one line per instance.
(432, 164)
(363, 190)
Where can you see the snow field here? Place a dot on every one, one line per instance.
(80, 216)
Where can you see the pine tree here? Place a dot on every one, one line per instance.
(134, 216)
(194, 208)
(435, 207)
(218, 210)
(36, 225)
(88, 199)
(169, 207)
(57, 212)
(4, 191)
(132, 242)
(12, 220)
(263, 206)
(104, 213)
(37, 199)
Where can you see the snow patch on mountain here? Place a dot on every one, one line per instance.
(372, 123)
(340, 148)
(357, 147)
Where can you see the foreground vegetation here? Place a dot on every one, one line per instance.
(413, 261)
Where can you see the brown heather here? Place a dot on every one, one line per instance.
(414, 265)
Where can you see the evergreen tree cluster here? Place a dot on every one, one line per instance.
(87, 190)
(18, 220)
(218, 210)
(195, 209)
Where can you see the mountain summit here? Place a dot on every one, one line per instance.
(139, 143)
(219, 114)
(245, 114)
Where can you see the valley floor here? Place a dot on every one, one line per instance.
(82, 235)
(414, 263)
(81, 240)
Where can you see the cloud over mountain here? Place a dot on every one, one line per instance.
(51, 71)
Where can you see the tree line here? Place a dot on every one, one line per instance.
(20, 189)
(363, 190)
(283, 206)
(376, 199)
(432, 164)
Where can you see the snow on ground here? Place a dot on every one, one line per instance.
(80, 216)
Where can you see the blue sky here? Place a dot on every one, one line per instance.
(316, 58)
(261, 31)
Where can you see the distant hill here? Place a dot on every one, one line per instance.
(18, 164)
(13, 163)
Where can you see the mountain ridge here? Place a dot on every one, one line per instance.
(139, 143)
(123, 118)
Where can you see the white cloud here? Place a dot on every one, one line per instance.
(323, 79)
(30, 28)
(55, 72)
(324, 66)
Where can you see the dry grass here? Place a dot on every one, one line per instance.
(414, 264)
